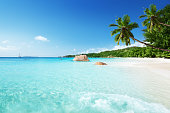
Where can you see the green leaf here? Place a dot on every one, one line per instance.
(119, 21)
(148, 27)
(122, 39)
(117, 37)
(130, 34)
(115, 31)
(142, 16)
(145, 22)
(127, 41)
(120, 36)
(151, 27)
(159, 13)
(126, 34)
(147, 11)
(112, 25)
(132, 25)
(126, 20)
(156, 21)
(153, 9)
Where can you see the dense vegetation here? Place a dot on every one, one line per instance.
(157, 33)
(129, 52)
(156, 22)
(160, 37)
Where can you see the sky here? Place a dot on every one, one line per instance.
(50, 28)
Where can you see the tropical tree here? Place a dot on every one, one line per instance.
(160, 38)
(123, 32)
(153, 18)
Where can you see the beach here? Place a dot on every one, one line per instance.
(153, 76)
(85, 56)
(66, 86)
(159, 66)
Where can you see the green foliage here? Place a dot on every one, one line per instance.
(155, 19)
(131, 52)
(168, 57)
(123, 31)
(160, 38)
(156, 33)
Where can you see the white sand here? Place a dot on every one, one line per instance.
(159, 66)
(153, 77)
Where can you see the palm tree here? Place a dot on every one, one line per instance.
(123, 32)
(153, 17)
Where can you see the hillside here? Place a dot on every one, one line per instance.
(129, 52)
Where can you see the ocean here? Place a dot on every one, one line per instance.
(61, 85)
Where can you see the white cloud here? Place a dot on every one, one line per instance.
(7, 48)
(98, 50)
(136, 44)
(41, 38)
(5, 41)
(94, 50)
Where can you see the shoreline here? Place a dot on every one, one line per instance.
(153, 64)
(153, 77)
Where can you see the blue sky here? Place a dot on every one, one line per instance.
(60, 27)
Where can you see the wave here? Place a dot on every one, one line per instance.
(115, 103)
(58, 102)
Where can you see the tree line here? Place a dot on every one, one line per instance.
(157, 31)
(156, 34)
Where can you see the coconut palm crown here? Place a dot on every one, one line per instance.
(123, 31)
(153, 18)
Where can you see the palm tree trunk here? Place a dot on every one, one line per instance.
(149, 45)
(164, 24)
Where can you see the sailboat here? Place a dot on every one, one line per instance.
(19, 56)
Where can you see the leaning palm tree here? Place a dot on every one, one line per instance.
(153, 17)
(123, 32)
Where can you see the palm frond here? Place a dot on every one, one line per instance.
(119, 21)
(112, 25)
(123, 40)
(148, 27)
(144, 30)
(126, 34)
(130, 35)
(150, 35)
(117, 37)
(147, 11)
(151, 27)
(120, 36)
(127, 41)
(156, 22)
(115, 31)
(132, 25)
(142, 16)
(126, 20)
(145, 22)
(153, 9)
(124, 27)
(159, 13)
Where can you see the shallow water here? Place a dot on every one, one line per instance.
(54, 85)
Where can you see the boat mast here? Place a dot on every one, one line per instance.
(19, 55)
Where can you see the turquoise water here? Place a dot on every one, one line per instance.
(54, 85)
